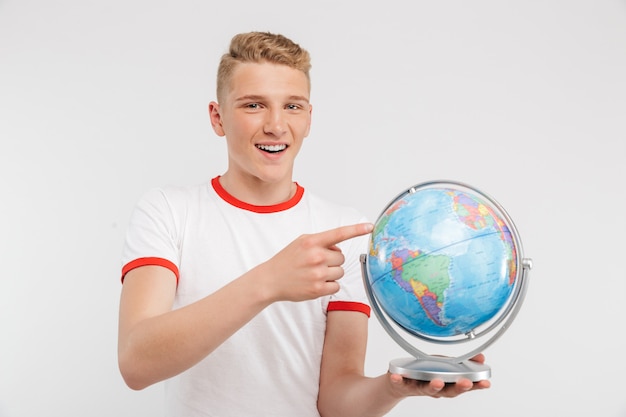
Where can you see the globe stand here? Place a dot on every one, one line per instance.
(448, 371)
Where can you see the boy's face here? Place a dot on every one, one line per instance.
(265, 116)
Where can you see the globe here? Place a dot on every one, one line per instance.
(445, 265)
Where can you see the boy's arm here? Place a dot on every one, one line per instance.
(344, 389)
(156, 342)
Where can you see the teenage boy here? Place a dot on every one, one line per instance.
(244, 294)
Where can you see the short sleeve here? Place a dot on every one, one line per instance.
(152, 237)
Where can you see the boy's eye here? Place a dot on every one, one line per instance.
(253, 106)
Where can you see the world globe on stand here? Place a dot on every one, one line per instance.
(445, 266)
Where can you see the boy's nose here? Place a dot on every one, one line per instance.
(275, 123)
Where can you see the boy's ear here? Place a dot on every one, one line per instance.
(216, 118)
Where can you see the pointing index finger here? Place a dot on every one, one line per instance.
(334, 236)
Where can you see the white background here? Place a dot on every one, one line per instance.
(526, 100)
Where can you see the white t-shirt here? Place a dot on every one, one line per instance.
(271, 366)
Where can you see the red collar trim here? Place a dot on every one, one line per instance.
(224, 195)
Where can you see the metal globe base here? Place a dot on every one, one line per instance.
(446, 370)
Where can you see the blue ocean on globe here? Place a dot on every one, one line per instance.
(442, 261)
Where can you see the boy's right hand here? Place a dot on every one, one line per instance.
(309, 266)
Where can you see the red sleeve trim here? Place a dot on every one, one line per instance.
(150, 261)
(349, 306)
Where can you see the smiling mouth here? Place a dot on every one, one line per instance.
(272, 148)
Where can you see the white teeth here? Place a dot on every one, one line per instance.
(272, 148)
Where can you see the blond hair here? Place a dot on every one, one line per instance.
(259, 47)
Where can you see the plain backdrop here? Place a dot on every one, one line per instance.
(526, 100)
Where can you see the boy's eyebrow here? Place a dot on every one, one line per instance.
(252, 97)
(255, 97)
(299, 98)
